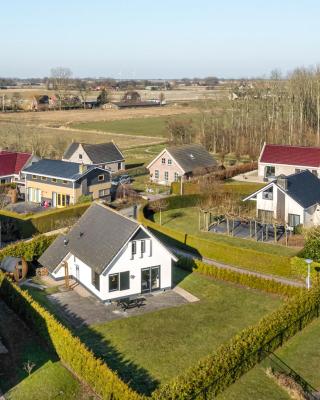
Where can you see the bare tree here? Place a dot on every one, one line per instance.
(61, 80)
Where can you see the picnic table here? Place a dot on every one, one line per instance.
(131, 302)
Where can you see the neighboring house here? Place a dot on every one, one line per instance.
(278, 160)
(11, 165)
(103, 155)
(110, 255)
(61, 183)
(180, 161)
(293, 199)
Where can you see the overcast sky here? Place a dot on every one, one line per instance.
(158, 39)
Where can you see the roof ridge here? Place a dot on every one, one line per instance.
(296, 146)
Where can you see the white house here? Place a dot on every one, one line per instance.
(293, 200)
(275, 160)
(176, 162)
(111, 255)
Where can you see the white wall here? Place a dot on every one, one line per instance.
(282, 169)
(122, 263)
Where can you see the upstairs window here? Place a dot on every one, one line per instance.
(163, 160)
(80, 156)
(101, 178)
(133, 248)
(34, 176)
(176, 176)
(166, 175)
(169, 161)
(268, 194)
(143, 247)
(43, 178)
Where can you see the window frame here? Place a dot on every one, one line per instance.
(169, 161)
(156, 174)
(133, 248)
(142, 247)
(166, 176)
(101, 178)
(95, 280)
(110, 277)
(163, 160)
(43, 178)
(292, 217)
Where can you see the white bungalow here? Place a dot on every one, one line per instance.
(293, 200)
(111, 255)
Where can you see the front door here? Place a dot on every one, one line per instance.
(150, 279)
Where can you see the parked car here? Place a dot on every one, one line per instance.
(121, 180)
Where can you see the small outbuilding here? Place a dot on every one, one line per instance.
(15, 267)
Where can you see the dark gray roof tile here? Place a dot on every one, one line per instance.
(192, 156)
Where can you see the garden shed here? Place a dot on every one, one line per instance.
(15, 267)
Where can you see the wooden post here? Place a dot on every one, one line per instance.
(267, 232)
(275, 232)
(199, 220)
(250, 229)
(286, 233)
(255, 229)
(232, 233)
(228, 227)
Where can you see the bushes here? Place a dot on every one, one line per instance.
(68, 347)
(45, 221)
(299, 268)
(216, 372)
(312, 244)
(30, 250)
(187, 188)
(255, 282)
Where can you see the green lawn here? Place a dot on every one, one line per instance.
(150, 126)
(301, 353)
(142, 155)
(162, 344)
(187, 220)
(49, 379)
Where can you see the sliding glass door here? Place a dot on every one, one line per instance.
(150, 279)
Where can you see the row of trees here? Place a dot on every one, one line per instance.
(284, 111)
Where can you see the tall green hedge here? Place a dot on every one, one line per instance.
(216, 372)
(93, 371)
(252, 281)
(30, 250)
(45, 221)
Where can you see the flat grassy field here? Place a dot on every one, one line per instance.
(164, 343)
(150, 126)
(49, 379)
(187, 220)
(301, 353)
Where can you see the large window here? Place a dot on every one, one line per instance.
(113, 282)
(293, 219)
(166, 175)
(268, 194)
(96, 280)
(103, 192)
(270, 171)
(119, 281)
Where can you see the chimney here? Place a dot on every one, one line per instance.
(282, 181)
(82, 168)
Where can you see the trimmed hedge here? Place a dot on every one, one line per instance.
(254, 282)
(45, 221)
(216, 372)
(233, 255)
(243, 189)
(69, 348)
(30, 250)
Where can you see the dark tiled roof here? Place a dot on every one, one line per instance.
(56, 168)
(304, 188)
(291, 155)
(128, 104)
(95, 239)
(70, 150)
(12, 162)
(192, 156)
(98, 153)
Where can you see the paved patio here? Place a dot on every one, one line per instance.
(25, 208)
(78, 309)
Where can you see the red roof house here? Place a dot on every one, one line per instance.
(11, 164)
(277, 159)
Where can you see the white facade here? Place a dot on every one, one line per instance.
(148, 270)
(283, 207)
(284, 169)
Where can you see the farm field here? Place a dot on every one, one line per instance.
(301, 353)
(49, 379)
(151, 126)
(222, 311)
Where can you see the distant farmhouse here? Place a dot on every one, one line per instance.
(104, 155)
(278, 160)
(293, 200)
(132, 99)
(62, 183)
(111, 255)
(183, 161)
(11, 165)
